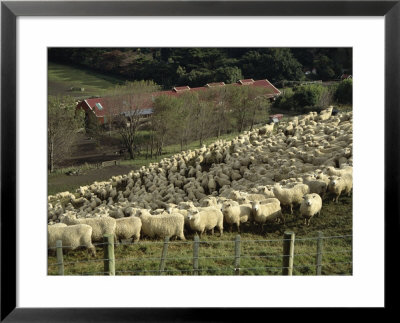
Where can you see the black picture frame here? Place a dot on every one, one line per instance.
(10, 10)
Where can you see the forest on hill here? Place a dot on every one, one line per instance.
(198, 66)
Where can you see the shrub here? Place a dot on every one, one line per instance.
(307, 95)
(305, 98)
(285, 101)
(344, 92)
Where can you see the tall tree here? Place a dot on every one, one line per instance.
(166, 122)
(63, 122)
(127, 105)
(189, 101)
(258, 106)
(217, 99)
(238, 101)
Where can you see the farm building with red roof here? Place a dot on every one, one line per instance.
(99, 106)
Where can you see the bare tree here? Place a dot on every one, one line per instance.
(218, 99)
(258, 105)
(238, 101)
(127, 107)
(168, 121)
(63, 122)
(185, 117)
(202, 120)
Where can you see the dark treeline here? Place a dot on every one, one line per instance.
(198, 66)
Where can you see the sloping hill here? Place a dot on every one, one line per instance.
(61, 78)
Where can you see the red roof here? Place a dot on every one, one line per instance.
(267, 84)
(99, 105)
(96, 109)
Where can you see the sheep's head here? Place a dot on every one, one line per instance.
(227, 205)
(255, 205)
(242, 199)
(308, 199)
(193, 215)
(267, 189)
(334, 180)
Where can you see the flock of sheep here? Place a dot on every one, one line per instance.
(254, 178)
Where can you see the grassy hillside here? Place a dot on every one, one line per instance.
(61, 78)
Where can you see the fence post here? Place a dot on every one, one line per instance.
(164, 255)
(109, 259)
(196, 244)
(237, 255)
(60, 258)
(319, 253)
(288, 253)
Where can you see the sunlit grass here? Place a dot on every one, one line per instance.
(61, 78)
(260, 253)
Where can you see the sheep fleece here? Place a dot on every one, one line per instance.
(72, 236)
(100, 226)
(163, 225)
(127, 228)
(308, 211)
(207, 220)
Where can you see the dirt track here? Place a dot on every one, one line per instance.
(63, 182)
(86, 150)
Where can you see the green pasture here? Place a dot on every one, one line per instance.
(62, 78)
(260, 252)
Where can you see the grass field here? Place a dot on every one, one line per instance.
(261, 253)
(60, 182)
(61, 78)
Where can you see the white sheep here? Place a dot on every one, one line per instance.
(311, 205)
(339, 172)
(162, 225)
(128, 228)
(315, 185)
(267, 212)
(209, 201)
(339, 185)
(209, 219)
(290, 196)
(72, 237)
(326, 114)
(100, 226)
(236, 214)
(54, 225)
(242, 166)
(172, 209)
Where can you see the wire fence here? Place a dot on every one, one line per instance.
(320, 255)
